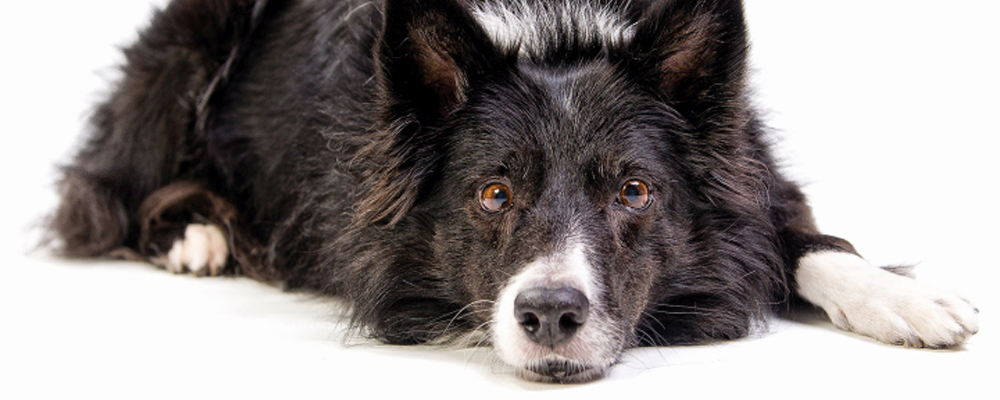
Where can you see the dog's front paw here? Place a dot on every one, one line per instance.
(890, 308)
(202, 251)
(899, 310)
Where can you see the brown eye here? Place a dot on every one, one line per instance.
(496, 197)
(635, 194)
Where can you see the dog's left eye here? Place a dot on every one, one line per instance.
(496, 197)
(635, 194)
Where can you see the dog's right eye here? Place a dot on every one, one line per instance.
(635, 194)
(496, 197)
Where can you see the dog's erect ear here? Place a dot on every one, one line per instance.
(698, 48)
(428, 53)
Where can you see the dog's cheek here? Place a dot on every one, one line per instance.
(636, 263)
(479, 277)
(629, 287)
(476, 270)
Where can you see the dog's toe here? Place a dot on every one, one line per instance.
(203, 251)
(890, 308)
(900, 310)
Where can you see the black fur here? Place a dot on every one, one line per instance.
(342, 144)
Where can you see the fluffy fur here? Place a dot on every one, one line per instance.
(346, 147)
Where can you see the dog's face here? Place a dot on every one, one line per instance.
(553, 182)
(563, 194)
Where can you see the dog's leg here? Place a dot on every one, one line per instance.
(891, 308)
(185, 227)
(147, 134)
(859, 297)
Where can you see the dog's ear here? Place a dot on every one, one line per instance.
(427, 54)
(697, 48)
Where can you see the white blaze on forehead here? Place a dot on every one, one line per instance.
(533, 25)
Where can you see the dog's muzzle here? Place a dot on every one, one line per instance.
(549, 322)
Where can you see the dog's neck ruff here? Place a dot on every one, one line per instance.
(534, 28)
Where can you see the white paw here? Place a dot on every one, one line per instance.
(893, 309)
(203, 251)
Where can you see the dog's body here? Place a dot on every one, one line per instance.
(569, 178)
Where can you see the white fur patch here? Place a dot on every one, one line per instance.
(893, 309)
(533, 25)
(589, 346)
(202, 251)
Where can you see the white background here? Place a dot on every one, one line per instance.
(886, 110)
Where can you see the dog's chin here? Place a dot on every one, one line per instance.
(580, 360)
(561, 370)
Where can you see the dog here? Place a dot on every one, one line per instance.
(561, 179)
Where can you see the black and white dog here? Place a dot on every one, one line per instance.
(564, 179)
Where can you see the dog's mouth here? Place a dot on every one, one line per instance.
(561, 370)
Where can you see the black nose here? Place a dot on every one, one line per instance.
(551, 316)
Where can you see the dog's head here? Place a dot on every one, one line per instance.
(569, 185)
